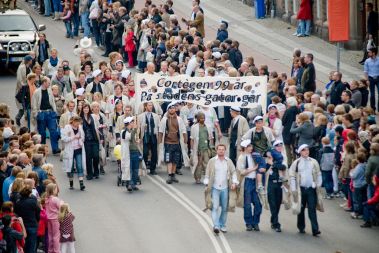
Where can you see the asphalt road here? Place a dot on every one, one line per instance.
(162, 218)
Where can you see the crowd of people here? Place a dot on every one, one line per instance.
(32, 215)
(310, 143)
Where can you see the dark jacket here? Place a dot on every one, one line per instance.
(29, 211)
(336, 91)
(372, 23)
(308, 80)
(288, 118)
(222, 35)
(235, 57)
(372, 168)
(11, 236)
(305, 133)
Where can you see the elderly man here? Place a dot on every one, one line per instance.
(44, 110)
(305, 180)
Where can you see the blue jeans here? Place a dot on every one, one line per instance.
(134, 167)
(75, 21)
(369, 213)
(359, 196)
(85, 23)
(219, 199)
(373, 83)
(68, 26)
(47, 7)
(305, 27)
(79, 166)
(250, 196)
(327, 181)
(48, 119)
(57, 6)
(31, 240)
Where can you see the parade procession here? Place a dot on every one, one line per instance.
(149, 126)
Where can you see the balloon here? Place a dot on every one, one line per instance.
(117, 152)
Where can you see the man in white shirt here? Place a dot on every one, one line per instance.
(305, 177)
(219, 177)
(193, 63)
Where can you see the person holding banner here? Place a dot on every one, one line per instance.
(173, 139)
(148, 122)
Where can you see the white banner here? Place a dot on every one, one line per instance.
(244, 92)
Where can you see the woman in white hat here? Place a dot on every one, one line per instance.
(274, 122)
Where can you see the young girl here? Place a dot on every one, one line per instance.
(42, 226)
(66, 228)
(67, 19)
(130, 46)
(53, 204)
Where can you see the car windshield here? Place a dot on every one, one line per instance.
(16, 23)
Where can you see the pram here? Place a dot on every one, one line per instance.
(117, 155)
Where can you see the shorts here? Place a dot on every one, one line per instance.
(172, 153)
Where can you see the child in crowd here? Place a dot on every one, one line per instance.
(66, 17)
(53, 204)
(327, 166)
(66, 228)
(130, 45)
(42, 226)
(357, 175)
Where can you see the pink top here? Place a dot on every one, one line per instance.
(52, 207)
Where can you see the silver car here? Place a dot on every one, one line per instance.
(18, 35)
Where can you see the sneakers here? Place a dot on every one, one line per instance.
(249, 228)
(216, 230)
(256, 228)
(174, 179)
(367, 224)
(294, 34)
(129, 188)
(169, 180)
(316, 233)
(102, 171)
(224, 230)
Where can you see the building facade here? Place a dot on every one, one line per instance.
(287, 10)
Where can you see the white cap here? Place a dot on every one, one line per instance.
(277, 142)
(271, 106)
(235, 108)
(257, 118)
(7, 133)
(129, 119)
(245, 143)
(173, 103)
(125, 73)
(80, 91)
(304, 146)
(96, 72)
(216, 55)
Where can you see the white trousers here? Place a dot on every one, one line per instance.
(67, 247)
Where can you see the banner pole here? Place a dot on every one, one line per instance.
(338, 56)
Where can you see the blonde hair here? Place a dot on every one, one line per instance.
(50, 188)
(303, 117)
(18, 185)
(63, 211)
(48, 167)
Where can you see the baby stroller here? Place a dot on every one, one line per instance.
(117, 155)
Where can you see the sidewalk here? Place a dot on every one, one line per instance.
(270, 41)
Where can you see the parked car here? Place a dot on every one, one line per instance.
(18, 35)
